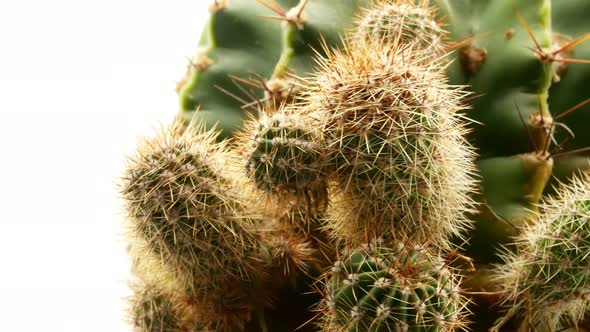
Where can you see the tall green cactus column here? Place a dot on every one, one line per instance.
(257, 41)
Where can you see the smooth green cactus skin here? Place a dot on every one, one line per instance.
(377, 288)
(519, 101)
(238, 42)
(572, 89)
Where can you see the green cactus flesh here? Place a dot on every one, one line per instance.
(237, 42)
(519, 99)
(377, 288)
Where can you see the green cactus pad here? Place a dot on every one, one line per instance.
(239, 42)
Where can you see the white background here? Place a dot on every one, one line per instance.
(80, 82)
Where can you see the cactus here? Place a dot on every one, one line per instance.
(401, 22)
(516, 61)
(181, 201)
(404, 288)
(285, 157)
(183, 204)
(548, 280)
(371, 142)
(393, 127)
(240, 45)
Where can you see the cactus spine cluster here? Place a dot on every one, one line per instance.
(401, 21)
(382, 136)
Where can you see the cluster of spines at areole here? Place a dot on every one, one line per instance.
(355, 183)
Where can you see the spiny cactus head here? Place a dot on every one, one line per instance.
(396, 137)
(548, 278)
(405, 21)
(174, 178)
(181, 199)
(284, 156)
(399, 288)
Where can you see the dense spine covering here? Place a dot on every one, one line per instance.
(547, 281)
(284, 156)
(182, 202)
(400, 163)
(188, 217)
(401, 21)
(154, 310)
(400, 288)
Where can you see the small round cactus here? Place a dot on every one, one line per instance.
(404, 288)
(284, 156)
(404, 21)
(547, 281)
(393, 126)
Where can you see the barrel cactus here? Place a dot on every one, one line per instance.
(310, 127)
(402, 288)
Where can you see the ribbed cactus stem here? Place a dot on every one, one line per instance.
(401, 288)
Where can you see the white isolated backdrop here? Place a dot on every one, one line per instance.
(80, 82)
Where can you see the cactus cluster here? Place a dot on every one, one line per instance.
(195, 232)
(340, 155)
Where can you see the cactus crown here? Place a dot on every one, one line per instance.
(400, 22)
